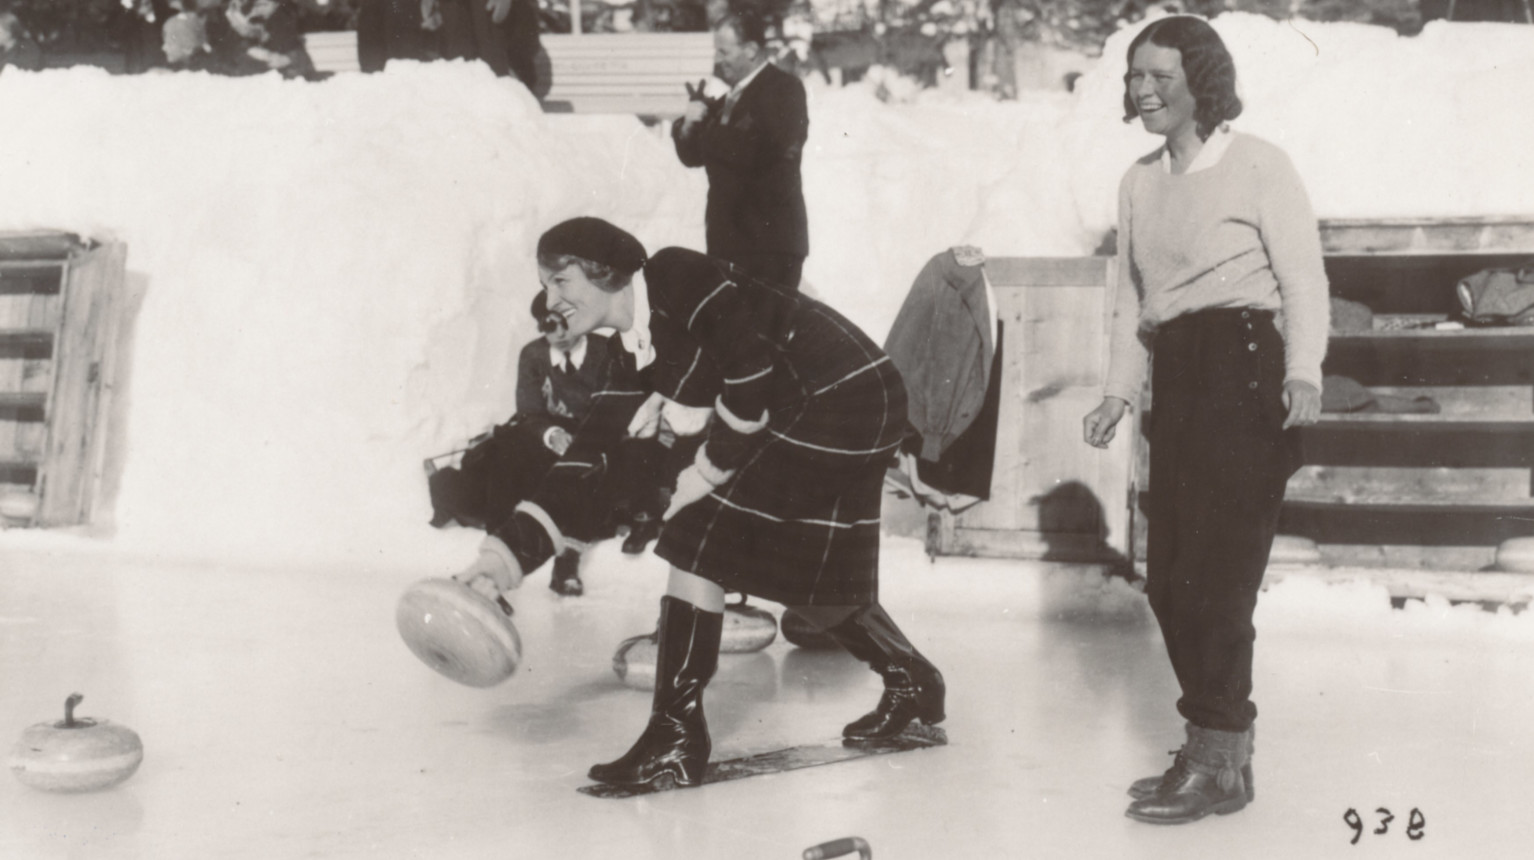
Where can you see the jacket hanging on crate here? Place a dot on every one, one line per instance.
(946, 344)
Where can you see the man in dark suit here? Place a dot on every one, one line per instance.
(750, 143)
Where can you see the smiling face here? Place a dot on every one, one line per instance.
(584, 305)
(1159, 89)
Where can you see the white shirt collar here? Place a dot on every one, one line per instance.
(576, 355)
(637, 339)
(1208, 155)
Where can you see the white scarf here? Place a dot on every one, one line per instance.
(637, 338)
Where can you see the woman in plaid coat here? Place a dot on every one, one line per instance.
(802, 414)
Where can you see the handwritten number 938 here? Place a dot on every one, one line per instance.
(1416, 824)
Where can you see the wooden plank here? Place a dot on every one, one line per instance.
(34, 245)
(1048, 271)
(1377, 422)
(26, 338)
(30, 277)
(1032, 544)
(81, 387)
(1383, 522)
(1420, 236)
(1445, 505)
(1441, 445)
(23, 400)
(1401, 483)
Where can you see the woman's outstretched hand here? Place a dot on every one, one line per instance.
(1303, 402)
(494, 571)
(1100, 425)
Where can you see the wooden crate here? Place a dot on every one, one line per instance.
(1053, 496)
(58, 326)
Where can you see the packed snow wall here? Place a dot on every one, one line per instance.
(330, 280)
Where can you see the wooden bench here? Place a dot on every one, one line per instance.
(333, 51)
(635, 73)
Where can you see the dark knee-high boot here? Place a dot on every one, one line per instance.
(913, 687)
(1206, 778)
(675, 744)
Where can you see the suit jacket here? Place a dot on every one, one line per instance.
(755, 199)
(941, 342)
(547, 396)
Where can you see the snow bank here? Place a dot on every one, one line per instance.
(335, 279)
(335, 275)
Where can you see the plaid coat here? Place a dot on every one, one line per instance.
(810, 412)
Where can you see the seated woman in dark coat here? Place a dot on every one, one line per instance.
(782, 501)
(557, 377)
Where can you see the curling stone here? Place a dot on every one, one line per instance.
(634, 661)
(803, 634)
(75, 755)
(459, 632)
(746, 629)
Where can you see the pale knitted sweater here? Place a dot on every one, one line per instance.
(1236, 230)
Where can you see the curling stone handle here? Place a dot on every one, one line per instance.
(838, 847)
(505, 605)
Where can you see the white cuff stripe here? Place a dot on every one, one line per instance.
(543, 518)
(743, 380)
(711, 473)
(696, 357)
(738, 424)
(699, 309)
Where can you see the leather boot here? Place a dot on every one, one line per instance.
(1147, 786)
(567, 575)
(675, 745)
(1206, 779)
(913, 687)
(644, 529)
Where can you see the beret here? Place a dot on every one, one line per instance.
(595, 240)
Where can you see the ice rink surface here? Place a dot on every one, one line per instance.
(283, 718)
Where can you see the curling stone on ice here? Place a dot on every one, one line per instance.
(746, 628)
(74, 755)
(803, 634)
(634, 661)
(459, 632)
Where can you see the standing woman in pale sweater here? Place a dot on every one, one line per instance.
(1221, 283)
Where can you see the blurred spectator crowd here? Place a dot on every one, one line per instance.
(235, 37)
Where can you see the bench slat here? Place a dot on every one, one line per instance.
(640, 73)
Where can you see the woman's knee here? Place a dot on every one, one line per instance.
(702, 593)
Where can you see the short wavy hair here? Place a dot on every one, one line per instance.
(601, 275)
(1206, 63)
